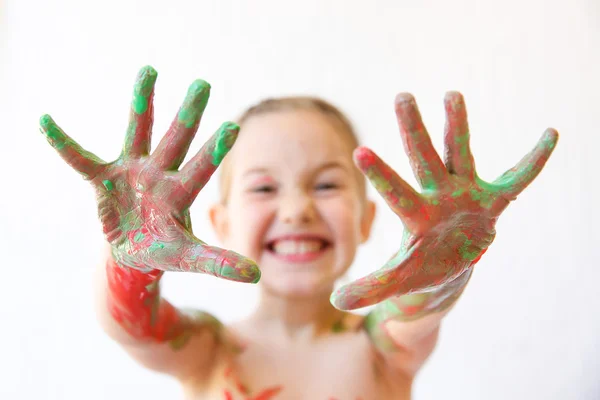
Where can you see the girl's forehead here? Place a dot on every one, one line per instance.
(290, 136)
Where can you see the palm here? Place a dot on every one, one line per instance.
(451, 223)
(144, 200)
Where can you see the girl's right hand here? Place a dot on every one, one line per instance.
(144, 200)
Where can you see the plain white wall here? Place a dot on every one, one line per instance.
(528, 327)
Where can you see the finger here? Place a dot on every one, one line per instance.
(139, 131)
(459, 159)
(174, 146)
(426, 164)
(515, 180)
(221, 263)
(84, 162)
(173, 248)
(376, 287)
(398, 194)
(196, 172)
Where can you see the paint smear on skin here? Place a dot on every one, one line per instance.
(52, 132)
(268, 394)
(194, 103)
(382, 184)
(134, 302)
(108, 185)
(338, 327)
(224, 142)
(142, 90)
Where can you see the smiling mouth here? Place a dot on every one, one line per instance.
(298, 250)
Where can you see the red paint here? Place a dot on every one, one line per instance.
(134, 302)
(475, 261)
(268, 393)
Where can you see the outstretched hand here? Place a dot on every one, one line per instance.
(450, 224)
(144, 200)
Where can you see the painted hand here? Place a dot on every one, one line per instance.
(144, 200)
(451, 223)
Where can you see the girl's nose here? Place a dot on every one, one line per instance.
(297, 209)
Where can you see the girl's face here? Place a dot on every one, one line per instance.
(295, 204)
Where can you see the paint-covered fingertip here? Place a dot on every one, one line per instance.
(147, 71)
(364, 157)
(257, 277)
(343, 302)
(250, 273)
(144, 83)
(453, 100)
(453, 95)
(551, 136)
(46, 121)
(199, 86)
(226, 137)
(230, 127)
(404, 98)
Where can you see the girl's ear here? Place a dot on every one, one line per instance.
(218, 219)
(367, 221)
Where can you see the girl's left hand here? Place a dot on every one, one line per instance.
(451, 223)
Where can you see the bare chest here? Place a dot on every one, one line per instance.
(344, 367)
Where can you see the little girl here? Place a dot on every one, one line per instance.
(293, 203)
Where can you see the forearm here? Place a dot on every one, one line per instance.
(404, 321)
(131, 309)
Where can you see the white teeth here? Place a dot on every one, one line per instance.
(297, 246)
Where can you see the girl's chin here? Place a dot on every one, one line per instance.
(297, 289)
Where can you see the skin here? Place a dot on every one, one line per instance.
(448, 226)
(298, 180)
(143, 202)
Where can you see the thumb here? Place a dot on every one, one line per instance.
(219, 262)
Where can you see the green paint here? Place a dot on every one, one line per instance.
(139, 237)
(427, 181)
(225, 139)
(194, 103)
(464, 248)
(484, 198)
(338, 327)
(108, 185)
(415, 299)
(458, 192)
(152, 287)
(154, 310)
(143, 89)
(405, 203)
(462, 141)
(435, 202)
(156, 246)
(130, 134)
(381, 184)
(180, 341)
(52, 131)
(389, 308)
(372, 321)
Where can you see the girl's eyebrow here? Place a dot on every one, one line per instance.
(332, 164)
(257, 170)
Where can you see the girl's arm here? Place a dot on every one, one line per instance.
(447, 228)
(132, 312)
(143, 205)
(406, 327)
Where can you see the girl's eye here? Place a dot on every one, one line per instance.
(263, 189)
(326, 186)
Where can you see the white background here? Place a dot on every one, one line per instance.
(528, 326)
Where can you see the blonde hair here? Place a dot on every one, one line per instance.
(291, 103)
